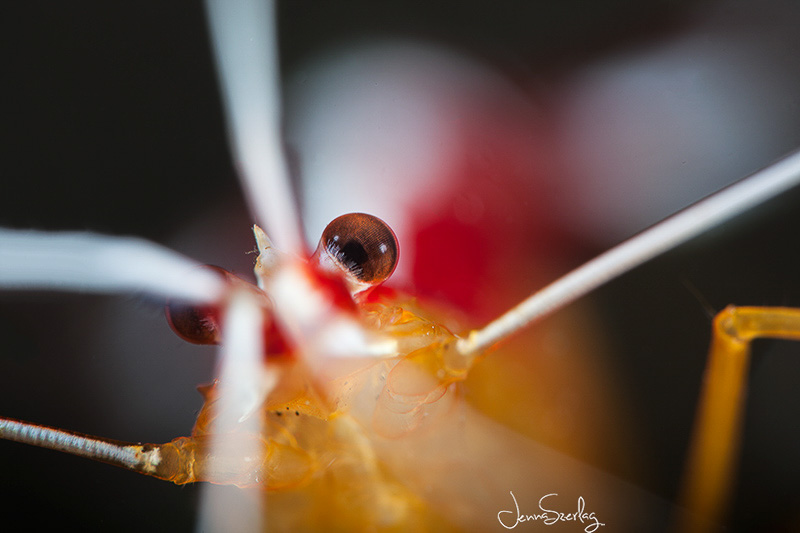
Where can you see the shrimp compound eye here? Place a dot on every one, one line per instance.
(195, 324)
(363, 246)
(198, 324)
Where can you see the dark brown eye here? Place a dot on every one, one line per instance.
(198, 324)
(195, 324)
(362, 245)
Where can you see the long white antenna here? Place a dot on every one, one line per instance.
(244, 384)
(31, 260)
(243, 37)
(637, 250)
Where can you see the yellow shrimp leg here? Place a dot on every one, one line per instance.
(713, 453)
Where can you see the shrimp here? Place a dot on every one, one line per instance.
(466, 419)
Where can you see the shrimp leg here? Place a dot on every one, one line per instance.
(710, 469)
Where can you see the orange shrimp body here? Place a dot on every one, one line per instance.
(326, 428)
(321, 451)
(383, 442)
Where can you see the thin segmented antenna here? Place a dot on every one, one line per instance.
(136, 457)
(88, 262)
(243, 34)
(664, 236)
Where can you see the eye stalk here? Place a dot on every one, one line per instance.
(361, 247)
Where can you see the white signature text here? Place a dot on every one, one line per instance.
(549, 516)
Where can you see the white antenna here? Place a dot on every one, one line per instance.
(244, 382)
(243, 35)
(90, 262)
(664, 236)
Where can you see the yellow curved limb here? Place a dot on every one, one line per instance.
(710, 470)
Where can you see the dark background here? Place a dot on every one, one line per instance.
(111, 123)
